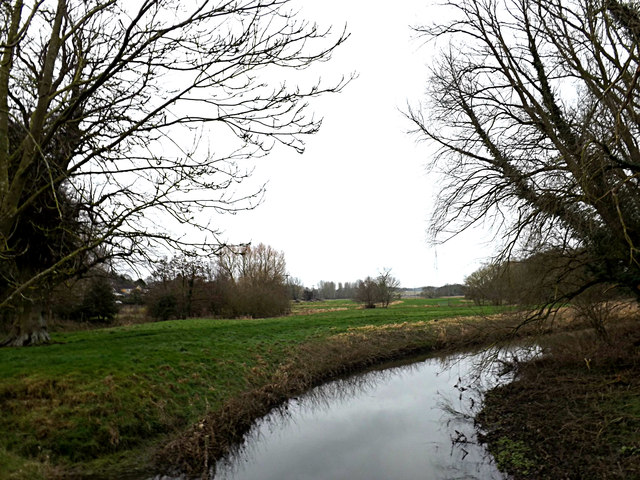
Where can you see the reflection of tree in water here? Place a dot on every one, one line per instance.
(479, 372)
(318, 400)
(476, 373)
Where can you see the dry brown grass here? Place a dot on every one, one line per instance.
(311, 311)
(576, 410)
(315, 362)
(127, 315)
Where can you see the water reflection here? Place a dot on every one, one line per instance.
(407, 422)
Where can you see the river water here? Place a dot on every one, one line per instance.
(403, 422)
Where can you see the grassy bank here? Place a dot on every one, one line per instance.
(574, 414)
(107, 402)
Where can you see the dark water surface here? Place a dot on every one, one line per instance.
(404, 422)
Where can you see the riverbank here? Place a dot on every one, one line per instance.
(575, 414)
(129, 401)
(314, 363)
(103, 403)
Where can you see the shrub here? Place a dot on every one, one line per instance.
(99, 302)
(163, 306)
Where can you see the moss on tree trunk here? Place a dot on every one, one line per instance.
(29, 326)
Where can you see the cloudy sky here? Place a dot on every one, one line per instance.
(359, 199)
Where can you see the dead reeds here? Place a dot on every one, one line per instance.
(315, 362)
(577, 409)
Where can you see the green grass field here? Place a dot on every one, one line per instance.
(101, 400)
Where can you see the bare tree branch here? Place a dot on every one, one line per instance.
(116, 114)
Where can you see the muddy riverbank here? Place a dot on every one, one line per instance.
(214, 437)
(575, 414)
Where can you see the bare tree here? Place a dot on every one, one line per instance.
(256, 280)
(486, 284)
(540, 279)
(534, 105)
(388, 287)
(115, 114)
(263, 265)
(327, 289)
(295, 287)
(367, 292)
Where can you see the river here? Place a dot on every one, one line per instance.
(408, 422)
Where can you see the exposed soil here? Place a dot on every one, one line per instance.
(574, 414)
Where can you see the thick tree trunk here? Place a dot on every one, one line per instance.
(29, 326)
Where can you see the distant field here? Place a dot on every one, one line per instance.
(97, 401)
(327, 305)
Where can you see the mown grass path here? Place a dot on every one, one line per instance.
(99, 402)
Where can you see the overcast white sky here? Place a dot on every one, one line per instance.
(358, 200)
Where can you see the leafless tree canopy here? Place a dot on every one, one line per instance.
(534, 105)
(112, 111)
